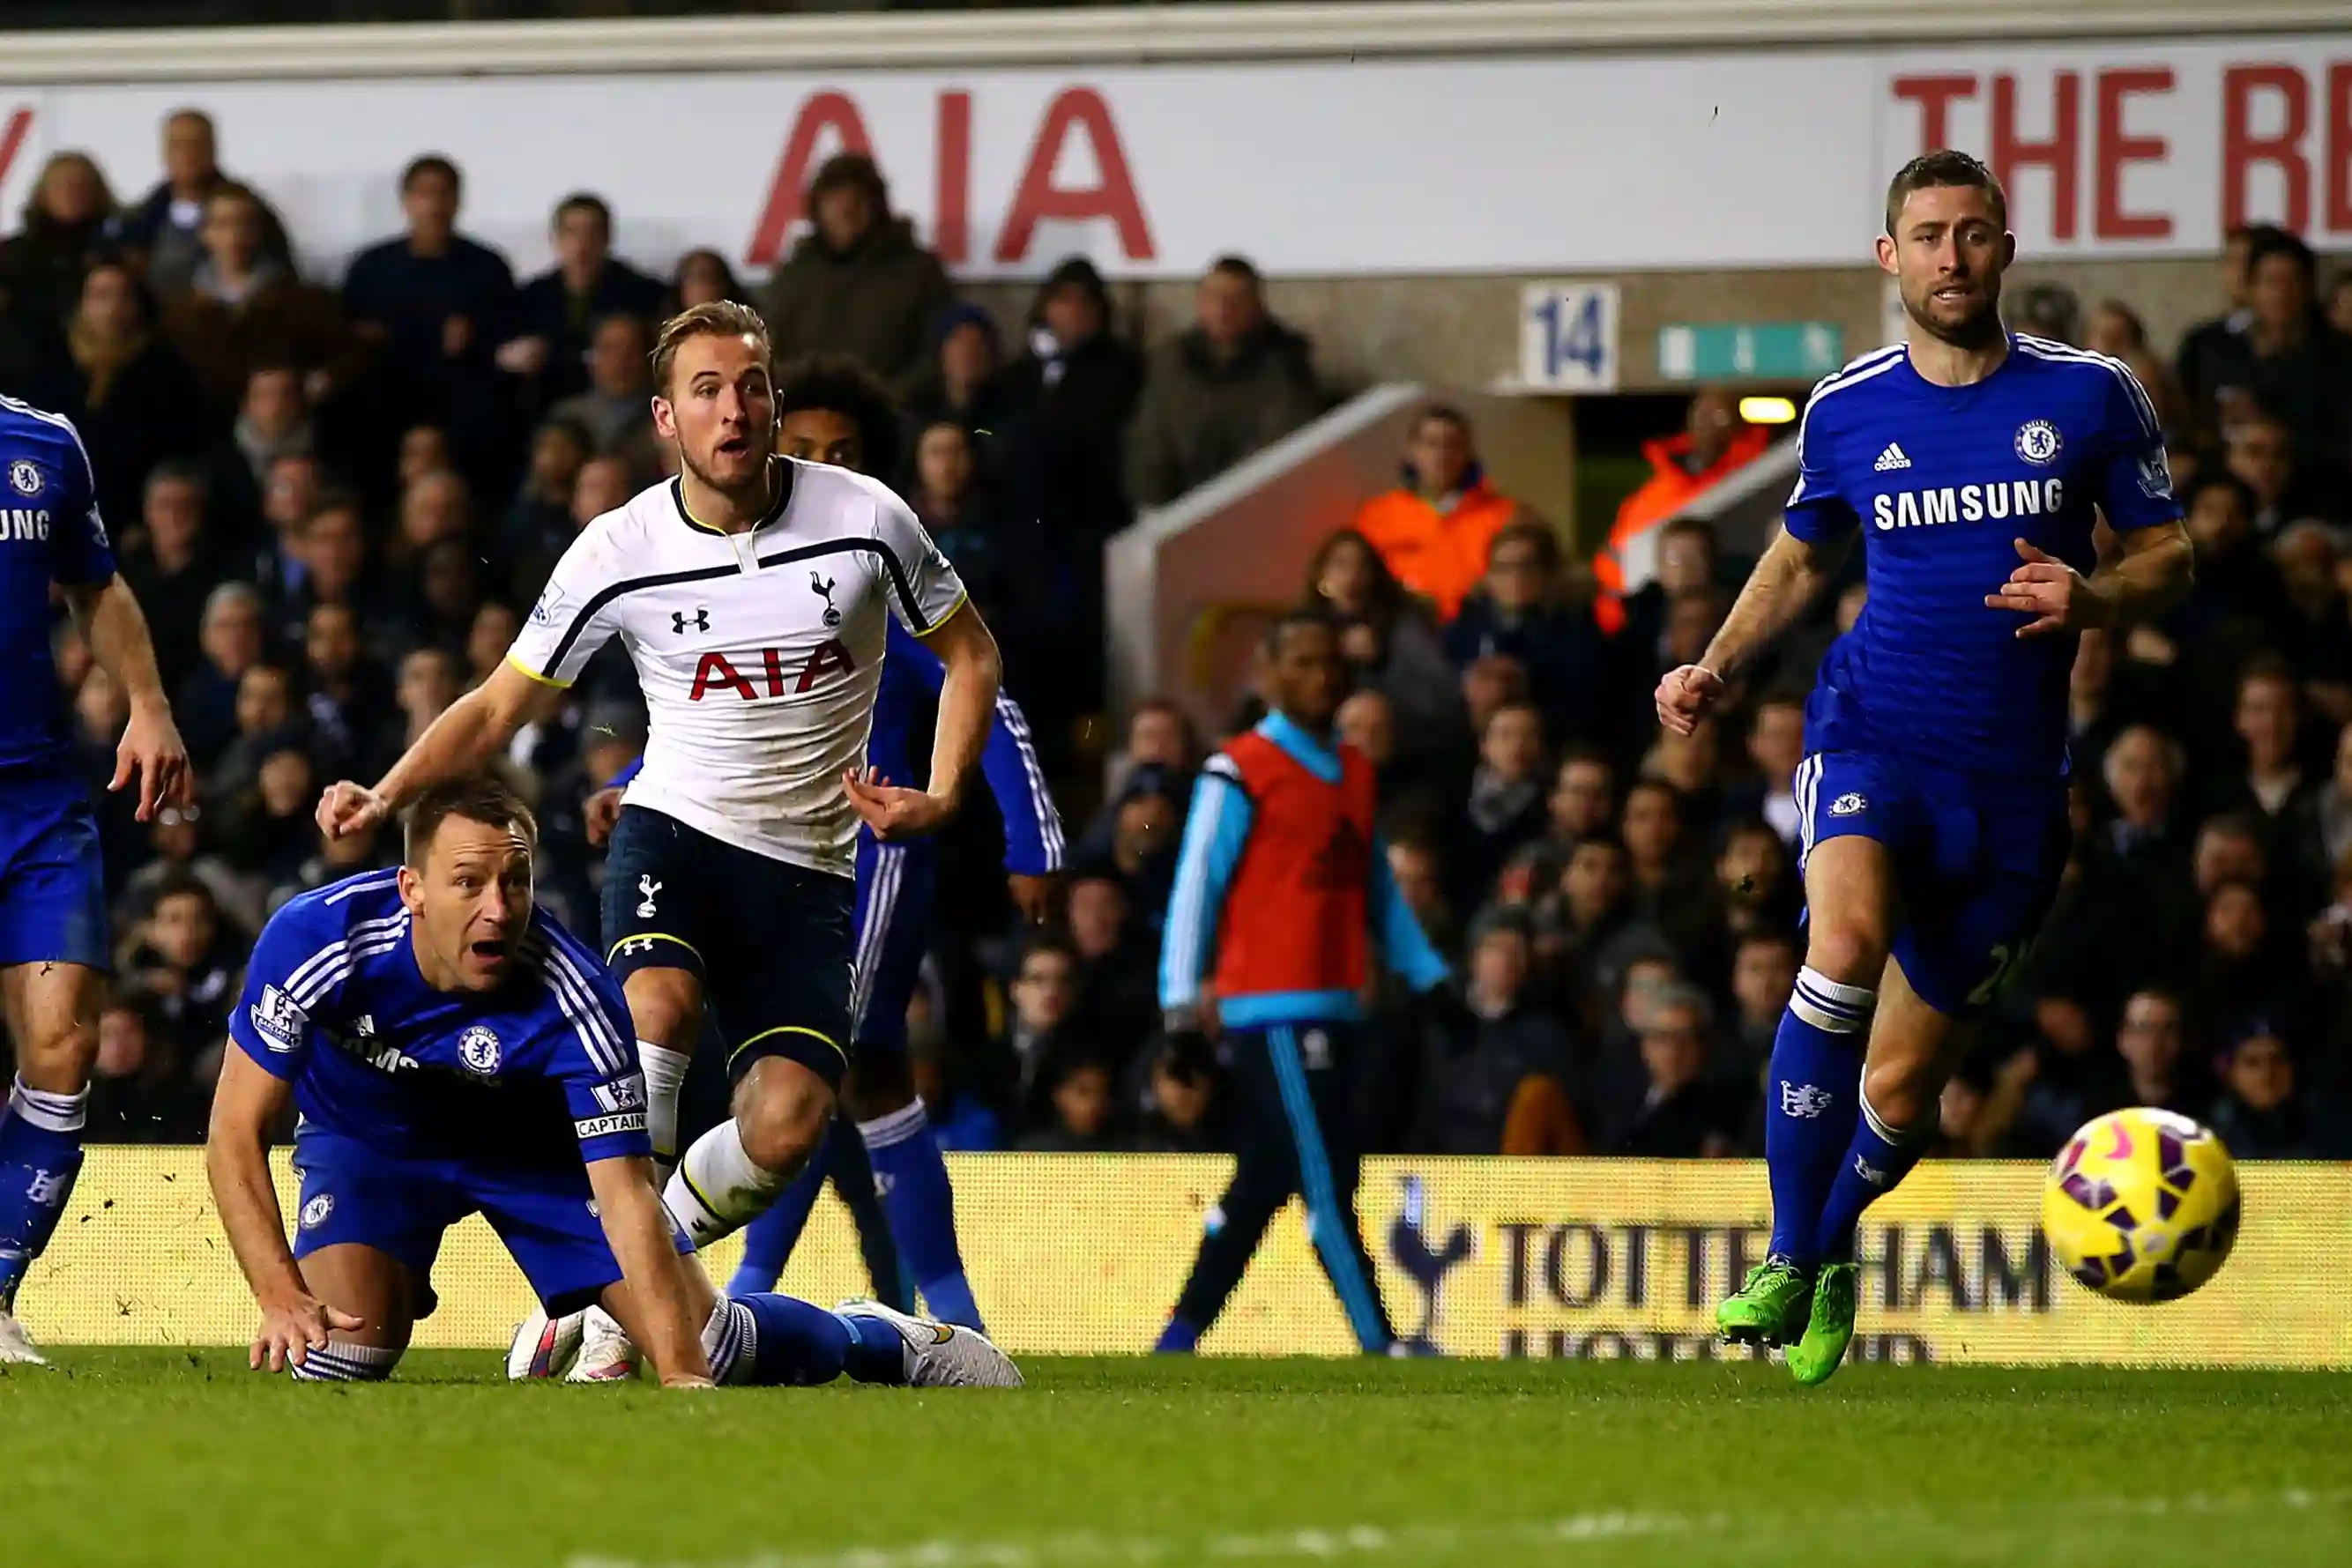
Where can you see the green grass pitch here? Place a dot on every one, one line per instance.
(185, 1458)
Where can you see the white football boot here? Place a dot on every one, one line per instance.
(941, 1355)
(545, 1346)
(606, 1353)
(16, 1347)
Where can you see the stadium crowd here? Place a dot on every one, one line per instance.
(333, 501)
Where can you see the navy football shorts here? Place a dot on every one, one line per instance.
(1977, 862)
(52, 885)
(770, 941)
(354, 1194)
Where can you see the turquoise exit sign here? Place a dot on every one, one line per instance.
(1758, 351)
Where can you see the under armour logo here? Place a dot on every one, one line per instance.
(824, 586)
(646, 888)
(700, 617)
(636, 946)
(48, 1189)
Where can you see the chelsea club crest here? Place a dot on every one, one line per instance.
(25, 476)
(2037, 441)
(477, 1048)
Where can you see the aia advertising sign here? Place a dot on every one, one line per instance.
(1598, 162)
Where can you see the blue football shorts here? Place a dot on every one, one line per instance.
(1977, 862)
(52, 883)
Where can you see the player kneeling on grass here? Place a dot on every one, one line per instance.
(452, 1050)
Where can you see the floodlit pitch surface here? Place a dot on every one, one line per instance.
(183, 1457)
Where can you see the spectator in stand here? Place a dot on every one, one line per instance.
(2315, 631)
(246, 309)
(1082, 1111)
(164, 234)
(433, 302)
(555, 312)
(264, 827)
(273, 421)
(2264, 1113)
(265, 716)
(1687, 564)
(289, 496)
(1692, 764)
(1388, 640)
(1117, 1005)
(2267, 719)
(232, 638)
(1185, 1110)
(2241, 974)
(857, 283)
(2209, 345)
(128, 392)
(1763, 976)
(2117, 331)
(1497, 1080)
(700, 277)
(1234, 383)
(1066, 405)
(181, 955)
(2049, 311)
(335, 568)
(1143, 848)
(947, 499)
(1418, 868)
(487, 641)
(2229, 614)
(1437, 530)
(1044, 994)
(2229, 848)
(1756, 883)
(1656, 842)
(1679, 1112)
(1583, 799)
(538, 524)
(959, 385)
(343, 692)
(429, 683)
(1776, 745)
(1716, 443)
(2067, 1075)
(424, 449)
(616, 410)
(434, 509)
(1505, 807)
(43, 265)
(2288, 360)
(2095, 706)
(174, 565)
(2152, 1040)
(1517, 613)
(2327, 824)
(1591, 929)
(2137, 874)
(140, 1092)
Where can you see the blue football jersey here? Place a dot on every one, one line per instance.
(49, 532)
(1008, 760)
(543, 1071)
(1942, 481)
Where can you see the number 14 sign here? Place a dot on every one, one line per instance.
(1567, 337)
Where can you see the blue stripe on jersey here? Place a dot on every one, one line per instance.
(1941, 481)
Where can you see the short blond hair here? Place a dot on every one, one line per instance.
(713, 318)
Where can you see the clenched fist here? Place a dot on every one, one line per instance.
(1685, 694)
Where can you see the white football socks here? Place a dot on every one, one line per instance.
(718, 1189)
(665, 1079)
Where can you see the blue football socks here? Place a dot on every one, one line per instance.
(1877, 1161)
(1813, 1087)
(40, 1154)
(912, 1179)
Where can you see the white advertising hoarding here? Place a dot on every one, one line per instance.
(1603, 162)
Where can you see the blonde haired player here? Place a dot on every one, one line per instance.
(752, 593)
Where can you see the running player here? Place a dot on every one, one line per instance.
(452, 1051)
(53, 931)
(1976, 462)
(751, 594)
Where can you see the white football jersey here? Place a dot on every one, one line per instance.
(758, 653)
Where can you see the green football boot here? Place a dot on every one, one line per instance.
(1770, 1308)
(1829, 1330)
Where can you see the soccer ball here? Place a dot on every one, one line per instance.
(2141, 1206)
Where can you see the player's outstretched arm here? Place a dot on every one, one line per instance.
(1790, 575)
(248, 1102)
(2144, 572)
(469, 732)
(152, 751)
(666, 1294)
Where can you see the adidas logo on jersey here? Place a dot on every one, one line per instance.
(1892, 459)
